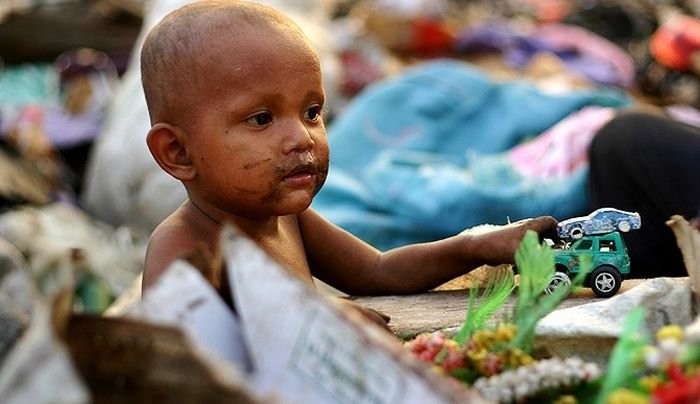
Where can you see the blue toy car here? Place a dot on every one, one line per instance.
(601, 221)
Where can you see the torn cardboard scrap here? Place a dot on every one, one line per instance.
(305, 349)
(183, 298)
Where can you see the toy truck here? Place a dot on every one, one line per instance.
(607, 255)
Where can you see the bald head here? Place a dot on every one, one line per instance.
(179, 55)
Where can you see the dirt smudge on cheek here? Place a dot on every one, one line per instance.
(274, 194)
(241, 189)
(320, 180)
(273, 197)
(255, 164)
(321, 174)
(251, 186)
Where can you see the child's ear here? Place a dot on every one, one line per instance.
(167, 144)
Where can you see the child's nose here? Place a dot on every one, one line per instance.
(298, 138)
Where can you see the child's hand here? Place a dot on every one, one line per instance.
(498, 244)
(367, 313)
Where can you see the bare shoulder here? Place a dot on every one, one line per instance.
(176, 236)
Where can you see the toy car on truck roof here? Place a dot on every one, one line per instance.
(600, 221)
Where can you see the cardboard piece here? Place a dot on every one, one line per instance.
(305, 349)
(182, 297)
(131, 361)
(688, 239)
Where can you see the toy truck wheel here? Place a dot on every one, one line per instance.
(577, 233)
(559, 280)
(605, 281)
(624, 226)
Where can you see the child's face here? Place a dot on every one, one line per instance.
(257, 139)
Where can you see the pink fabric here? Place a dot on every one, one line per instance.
(562, 149)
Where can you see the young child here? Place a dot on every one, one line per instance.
(236, 104)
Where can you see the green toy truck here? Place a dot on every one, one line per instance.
(607, 254)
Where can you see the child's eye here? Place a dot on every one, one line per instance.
(260, 119)
(313, 113)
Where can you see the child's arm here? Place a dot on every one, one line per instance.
(354, 267)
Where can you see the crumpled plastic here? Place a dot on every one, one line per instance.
(106, 260)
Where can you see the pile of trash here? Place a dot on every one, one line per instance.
(483, 86)
(77, 117)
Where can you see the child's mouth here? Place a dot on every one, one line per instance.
(301, 175)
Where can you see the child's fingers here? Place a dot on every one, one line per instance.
(546, 227)
(369, 314)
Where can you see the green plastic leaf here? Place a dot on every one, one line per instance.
(627, 350)
(497, 291)
(468, 327)
(535, 262)
(689, 355)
